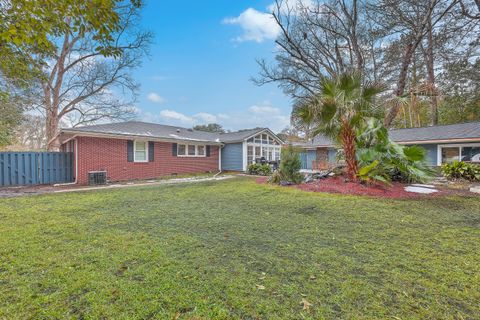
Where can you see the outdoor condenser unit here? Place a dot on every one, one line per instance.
(97, 177)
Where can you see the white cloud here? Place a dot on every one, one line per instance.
(261, 115)
(171, 115)
(206, 117)
(257, 26)
(155, 97)
(264, 109)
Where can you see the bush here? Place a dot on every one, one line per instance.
(461, 170)
(290, 165)
(383, 160)
(259, 169)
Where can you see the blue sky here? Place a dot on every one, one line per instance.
(201, 63)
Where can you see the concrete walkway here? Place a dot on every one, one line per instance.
(147, 183)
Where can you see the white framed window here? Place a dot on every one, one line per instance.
(191, 150)
(201, 151)
(182, 150)
(140, 151)
(262, 145)
(469, 152)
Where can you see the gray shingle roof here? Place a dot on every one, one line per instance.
(155, 130)
(239, 135)
(469, 130)
(318, 141)
(466, 131)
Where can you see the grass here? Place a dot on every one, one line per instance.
(237, 249)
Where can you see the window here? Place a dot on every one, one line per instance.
(140, 151)
(201, 150)
(258, 153)
(190, 150)
(250, 157)
(182, 148)
(263, 145)
(471, 154)
(450, 153)
(277, 154)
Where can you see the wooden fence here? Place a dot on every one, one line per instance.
(35, 168)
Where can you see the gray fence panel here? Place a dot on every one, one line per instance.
(34, 168)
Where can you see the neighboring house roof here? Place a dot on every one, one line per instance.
(318, 141)
(433, 134)
(160, 131)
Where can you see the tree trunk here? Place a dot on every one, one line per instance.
(401, 83)
(53, 141)
(52, 97)
(431, 76)
(348, 142)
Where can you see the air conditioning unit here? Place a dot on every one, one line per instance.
(97, 178)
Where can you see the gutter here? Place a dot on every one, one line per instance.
(132, 136)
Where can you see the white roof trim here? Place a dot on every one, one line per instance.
(133, 137)
(262, 131)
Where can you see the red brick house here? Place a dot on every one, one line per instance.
(139, 150)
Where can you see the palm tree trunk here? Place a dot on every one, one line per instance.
(348, 142)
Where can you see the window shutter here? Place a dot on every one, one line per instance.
(207, 151)
(174, 149)
(130, 150)
(151, 151)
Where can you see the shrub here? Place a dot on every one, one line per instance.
(290, 165)
(259, 169)
(265, 170)
(383, 160)
(461, 170)
(275, 178)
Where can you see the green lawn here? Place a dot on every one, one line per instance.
(237, 249)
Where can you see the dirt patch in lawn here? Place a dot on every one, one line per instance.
(396, 190)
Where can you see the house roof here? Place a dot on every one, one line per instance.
(241, 135)
(317, 141)
(160, 131)
(433, 134)
(461, 131)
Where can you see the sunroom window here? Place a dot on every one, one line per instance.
(262, 146)
(140, 151)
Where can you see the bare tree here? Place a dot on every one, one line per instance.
(470, 9)
(324, 38)
(86, 84)
(409, 22)
(30, 135)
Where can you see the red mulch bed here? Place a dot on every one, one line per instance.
(395, 191)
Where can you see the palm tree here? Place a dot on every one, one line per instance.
(343, 103)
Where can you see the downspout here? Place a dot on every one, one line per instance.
(219, 160)
(76, 166)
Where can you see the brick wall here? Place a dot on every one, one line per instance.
(111, 155)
